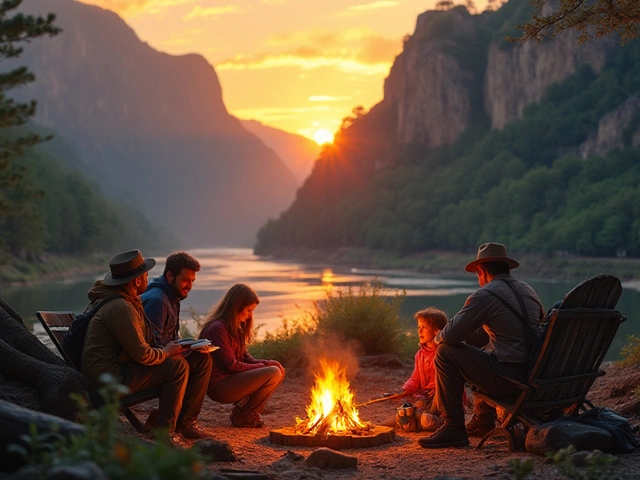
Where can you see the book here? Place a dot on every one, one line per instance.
(195, 344)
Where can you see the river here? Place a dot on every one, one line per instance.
(286, 289)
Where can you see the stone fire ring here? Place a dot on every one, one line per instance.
(374, 438)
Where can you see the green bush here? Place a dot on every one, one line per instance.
(631, 352)
(366, 317)
(288, 343)
(120, 457)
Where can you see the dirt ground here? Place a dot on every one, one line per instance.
(404, 458)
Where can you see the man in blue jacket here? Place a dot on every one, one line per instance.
(161, 302)
(162, 298)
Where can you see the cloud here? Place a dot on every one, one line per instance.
(373, 6)
(133, 7)
(203, 12)
(327, 98)
(364, 8)
(356, 51)
(272, 114)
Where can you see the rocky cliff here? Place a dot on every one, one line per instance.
(427, 85)
(518, 75)
(153, 129)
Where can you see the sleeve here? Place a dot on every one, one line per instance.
(466, 322)
(226, 354)
(128, 329)
(158, 312)
(412, 385)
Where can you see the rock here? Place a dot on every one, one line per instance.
(288, 459)
(579, 458)
(556, 435)
(327, 458)
(15, 422)
(216, 450)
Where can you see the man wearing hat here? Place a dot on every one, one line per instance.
(502, 317)
(120, 341)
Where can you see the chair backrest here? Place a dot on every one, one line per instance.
(579, 333)
(57, 324)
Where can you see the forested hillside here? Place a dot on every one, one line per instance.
(55, 208)
(535, 184)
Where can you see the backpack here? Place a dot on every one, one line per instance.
(74, 339)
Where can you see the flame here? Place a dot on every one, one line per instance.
(332, 410)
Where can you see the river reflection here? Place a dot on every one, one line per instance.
(288, 288)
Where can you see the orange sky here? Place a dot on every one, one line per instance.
(297, 65)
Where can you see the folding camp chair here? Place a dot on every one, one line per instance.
(57, 324)
(576, 338)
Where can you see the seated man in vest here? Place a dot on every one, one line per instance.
(120, 341)
(502, 316)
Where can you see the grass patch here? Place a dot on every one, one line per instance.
(630, 352)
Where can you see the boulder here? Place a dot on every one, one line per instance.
(327, 458)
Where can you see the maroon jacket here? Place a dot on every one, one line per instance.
(230, 358)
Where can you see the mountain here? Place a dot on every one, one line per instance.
(296, 151)
(476, 140)
(152, 128)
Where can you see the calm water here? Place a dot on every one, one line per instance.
(286, 289)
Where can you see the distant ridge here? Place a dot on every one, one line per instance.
(152, 128)
(296, 151)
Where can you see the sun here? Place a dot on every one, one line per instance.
(323, 136)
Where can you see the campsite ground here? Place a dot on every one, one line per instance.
(404, 458)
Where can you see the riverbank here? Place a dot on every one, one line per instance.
(51, 267)
(452, 263)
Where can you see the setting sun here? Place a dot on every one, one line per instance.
(323, 136)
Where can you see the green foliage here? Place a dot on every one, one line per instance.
(630, 352)
(289, 343)
(520, 468)
(518, 185)
(593, 19)
(16, 28)
(365, 318)
(598, 466)
(119, 456)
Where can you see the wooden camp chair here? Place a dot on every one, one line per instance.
(57, 324)
(578, 334)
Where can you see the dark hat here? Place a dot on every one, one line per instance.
(491, 252)
(126, 266)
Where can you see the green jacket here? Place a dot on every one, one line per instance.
(117, 334)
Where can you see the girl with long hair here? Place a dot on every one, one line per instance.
(236, 376)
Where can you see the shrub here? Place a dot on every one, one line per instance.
(366, 317)
(120, 457)
(288, 343)
(631, 352)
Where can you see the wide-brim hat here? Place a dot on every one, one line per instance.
(491, 252)
(126, 266)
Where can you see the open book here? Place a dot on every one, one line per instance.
(194, 344)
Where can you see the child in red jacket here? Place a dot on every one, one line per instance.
(419, 390)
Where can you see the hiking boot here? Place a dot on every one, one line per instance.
(173, 439)
(194, 431)
(446, 436)
(242, 419)
(479, 427)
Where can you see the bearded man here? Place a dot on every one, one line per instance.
(161, 300)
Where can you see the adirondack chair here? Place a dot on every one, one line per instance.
(579, 331)
(57, 324)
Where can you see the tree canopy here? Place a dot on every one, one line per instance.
(592, 18)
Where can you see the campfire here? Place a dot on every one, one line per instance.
(332, 410)
(332, 419)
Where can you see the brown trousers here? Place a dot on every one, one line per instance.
(182, 382)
